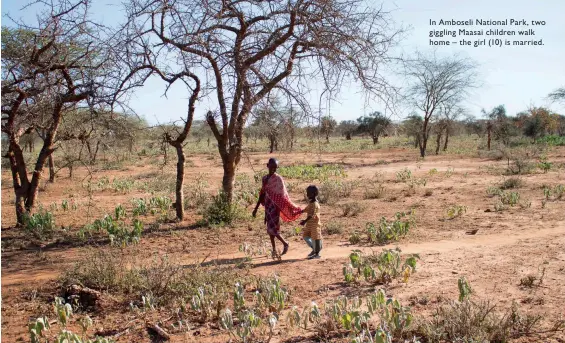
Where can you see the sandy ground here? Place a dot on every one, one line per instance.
(508, 245)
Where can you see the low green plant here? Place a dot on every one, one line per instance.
(355, 238)
(456, 211)
(118, 232)
(270, 294)
(37, 329)
(404, 175)
(311, 172)
(353, 315)
(221, 211)
(464, 288)
(119, 212)
(510, 198)
(390, 231)
(493, 191)
(65, 205)
(544, 164)
(140, 207)
(380, 268)
(40, 225)
(470, 320)
(125, 185)
(160, 204)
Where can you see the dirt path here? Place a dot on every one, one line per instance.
(341, 250)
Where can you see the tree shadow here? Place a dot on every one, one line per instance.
(274, 263)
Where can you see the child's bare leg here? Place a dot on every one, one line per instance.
(279, 237)
(273, 242)
(285, 243)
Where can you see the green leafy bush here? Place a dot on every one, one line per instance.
(221, 212)
(390, 231)
(40, 225)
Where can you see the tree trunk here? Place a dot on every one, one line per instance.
(33, 189)
(327, 137)
(228, 178)
(93, 158)
(348, 136)
(51, 169)
(446, 140)
(489, 130)
(438, 142)
(423, 141)
(179, 194)
(17, 182)
(272, 144)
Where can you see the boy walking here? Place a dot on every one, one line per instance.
(312, 232)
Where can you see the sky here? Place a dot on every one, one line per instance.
(515, 76)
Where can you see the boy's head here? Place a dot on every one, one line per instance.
(273, 164)
(312, 192)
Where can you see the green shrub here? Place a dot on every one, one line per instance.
(355, 238)
(552, 140)
(311, 172)
(404, 175)
(456, 211)
(380, 268)
(40, 225)
(390, 231)
(221, 212)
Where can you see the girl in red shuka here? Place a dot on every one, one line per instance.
(275, 199)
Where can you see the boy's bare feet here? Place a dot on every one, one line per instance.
(285, 249)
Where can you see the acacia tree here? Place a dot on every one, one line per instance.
(347, 128)
(143, 60)
(412, 127)
(374, 124)
(448, 114)
(500, 125)
(557, 95)
(436, 82)
(538, 122)
(268, 121)
(47, 71)
(327, 126)
(249, 48)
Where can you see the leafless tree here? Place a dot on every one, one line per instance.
(443, 127)
(146, 53)
(436, 82)
(48, 70)
(249, 48)
(557, 95)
